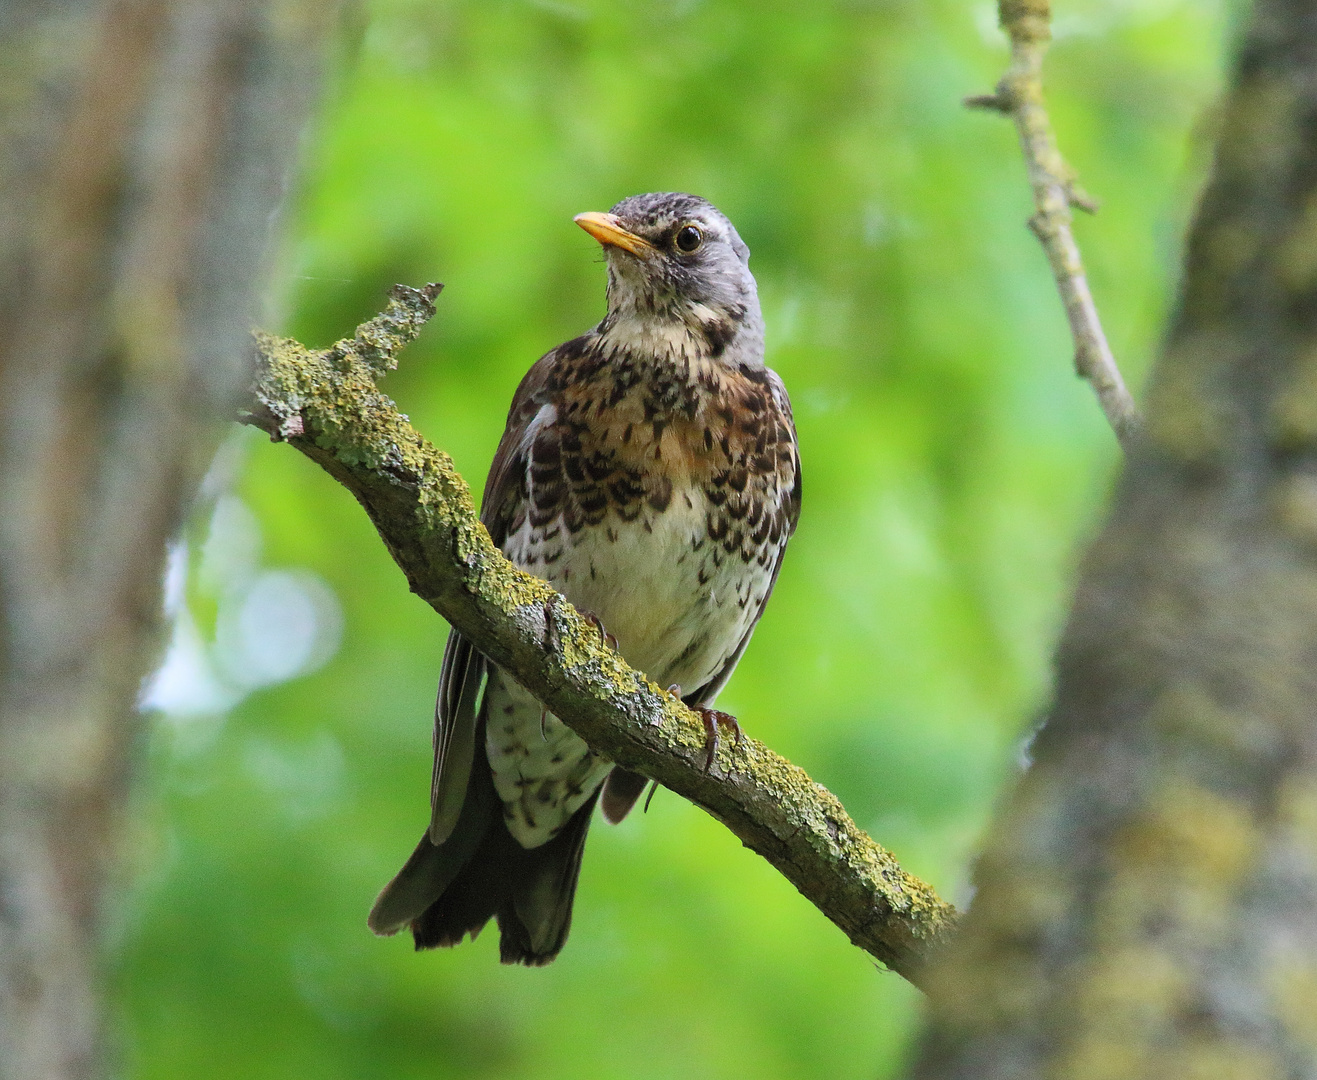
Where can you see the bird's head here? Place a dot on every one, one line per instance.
(675, 261)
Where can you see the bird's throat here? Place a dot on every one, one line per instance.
(660, 340)
(686, 337)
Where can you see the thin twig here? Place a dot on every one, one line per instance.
(327, 405)
(1055, 190)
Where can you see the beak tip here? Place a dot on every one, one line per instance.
(609, 231)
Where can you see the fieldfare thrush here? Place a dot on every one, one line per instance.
(649, 472)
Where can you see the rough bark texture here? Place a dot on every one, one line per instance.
(327, 405)
(1147, 903)
(143, 149)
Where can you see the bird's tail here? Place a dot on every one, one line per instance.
(450, 890)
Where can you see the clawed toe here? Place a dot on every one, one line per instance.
(605, 638)
(712, 719)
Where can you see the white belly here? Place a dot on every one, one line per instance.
(543, 771)
(678, 605)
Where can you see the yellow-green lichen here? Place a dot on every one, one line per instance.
(1186, 415)
(1295, 409)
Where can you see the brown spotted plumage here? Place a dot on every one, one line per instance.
(649, 471)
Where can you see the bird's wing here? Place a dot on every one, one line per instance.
(788, 513)
(461, 682)
(463, 675)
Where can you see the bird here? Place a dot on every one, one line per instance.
(649, 470)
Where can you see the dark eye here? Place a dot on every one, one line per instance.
(689, 238)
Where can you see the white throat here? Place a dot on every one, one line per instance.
(664, 339)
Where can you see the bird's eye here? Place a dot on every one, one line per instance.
(689, 238)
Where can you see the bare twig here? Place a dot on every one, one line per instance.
(1055, 190)
(327, 405)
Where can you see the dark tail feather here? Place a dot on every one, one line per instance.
(433, 868)
(536, 914)
(530, 891)
(451, 890)
(474, 897)
(621, 790)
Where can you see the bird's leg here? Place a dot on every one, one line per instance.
(653, 787)
(712, 718)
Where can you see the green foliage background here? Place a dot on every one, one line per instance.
(953, 467)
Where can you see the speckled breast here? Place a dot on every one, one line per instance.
(660, 505)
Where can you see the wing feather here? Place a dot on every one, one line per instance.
(461, 683)
(464, 673)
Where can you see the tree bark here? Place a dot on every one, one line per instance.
(1147, 902)
(145, 146)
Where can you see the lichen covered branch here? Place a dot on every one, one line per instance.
(1055, 190)
(327, 405)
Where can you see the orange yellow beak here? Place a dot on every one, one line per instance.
(607, 229)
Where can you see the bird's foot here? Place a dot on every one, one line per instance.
(712, 719)
(550, 628)
(605, 638)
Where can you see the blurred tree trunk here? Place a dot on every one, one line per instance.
(144, 148)
(1147, 903)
